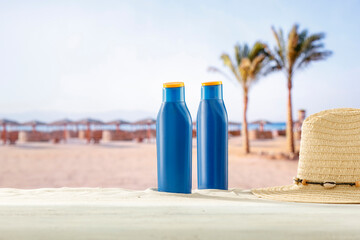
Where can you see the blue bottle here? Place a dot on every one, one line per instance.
(174, 141)
(212, 138)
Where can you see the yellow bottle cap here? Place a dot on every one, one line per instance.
(211, 83)
(173, 84)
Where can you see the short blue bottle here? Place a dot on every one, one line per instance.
(174, 141)
(212, 138)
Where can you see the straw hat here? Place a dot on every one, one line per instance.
(329, 164)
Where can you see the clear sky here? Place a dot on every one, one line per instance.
(100, 56)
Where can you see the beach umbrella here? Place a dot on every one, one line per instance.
(63, 122)
(261, 123)
(234, 126)
(6, 122)
(88, 122)
(148, 122)
(145, 121)
(234, 123)
(33, 124)
(118, 122)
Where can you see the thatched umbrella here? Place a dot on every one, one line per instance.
(234, 126)
(148, 122)
(261, 124)
(63, 122)
(145, 121)
(34, 124)
(118, 123)
(6, 122)
(88, 122)
(234, 123)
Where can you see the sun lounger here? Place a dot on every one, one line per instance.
(256, 134)
(96, 136)
(13, 137)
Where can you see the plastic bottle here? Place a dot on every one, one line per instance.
(174, 141)
(212, 138)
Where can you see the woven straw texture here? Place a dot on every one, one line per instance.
(329, 151)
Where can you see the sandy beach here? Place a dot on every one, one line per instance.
(129, 165)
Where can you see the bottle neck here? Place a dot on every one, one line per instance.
(176, 94)
(212, 92)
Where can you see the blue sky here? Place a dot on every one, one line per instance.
(75, 57)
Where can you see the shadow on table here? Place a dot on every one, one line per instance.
(234, 195)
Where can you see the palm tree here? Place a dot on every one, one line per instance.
(246, 70)
(301, 49)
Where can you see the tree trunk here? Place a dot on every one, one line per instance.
(65, 132)
(4, 133)
(289, 124)
(245, 132)
(88, 132)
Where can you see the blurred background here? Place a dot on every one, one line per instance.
(81, 83)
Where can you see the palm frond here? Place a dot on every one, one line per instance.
(301, 39)
(311, 50)
(292, 51)
(238, 55)
(257, 49)
(280, 44)
(256, 66)
(270, 69)
(227, 62)
(250, 63)
(273, 61)
(244, 69)
(245, 52)
(312, 57)
(309, 42)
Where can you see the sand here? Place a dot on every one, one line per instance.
(128, 165)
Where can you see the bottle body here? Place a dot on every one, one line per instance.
(174, 143)
(212, 139)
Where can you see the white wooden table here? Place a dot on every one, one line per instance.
(91, 213)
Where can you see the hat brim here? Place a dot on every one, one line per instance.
(310, 194)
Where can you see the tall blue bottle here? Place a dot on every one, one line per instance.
(212, 138)
(174, 141)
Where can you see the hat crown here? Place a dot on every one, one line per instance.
(330, 146)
